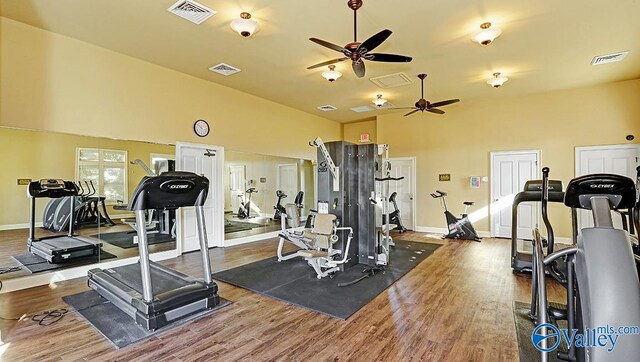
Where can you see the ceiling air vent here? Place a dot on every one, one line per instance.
(392, 80)
(327, 108)
(224, 69)
(192, 11)
(609, 58)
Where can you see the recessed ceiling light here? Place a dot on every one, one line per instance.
(497, 81)
(487, 35)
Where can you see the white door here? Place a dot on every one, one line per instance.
(404, 167)
(509, 172)
(236, 186)
(287, 181)
(207, 161)
(619, 160)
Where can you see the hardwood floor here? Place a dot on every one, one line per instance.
(454, 306)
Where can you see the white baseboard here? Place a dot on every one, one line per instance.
(248, 239)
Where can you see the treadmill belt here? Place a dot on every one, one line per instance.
(162, 282)
(117, 326)
(36, 264)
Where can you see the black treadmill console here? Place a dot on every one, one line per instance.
(536, 185)
(52, 188)
(170, 190)
(620, 190)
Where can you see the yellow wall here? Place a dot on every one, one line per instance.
(37, 155)
(460, 141)
(352, 131)
(52, 82)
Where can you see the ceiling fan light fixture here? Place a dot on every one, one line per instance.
(487, 35)
(332, 74)
(497, 81)
(379, 102)
(245, 26)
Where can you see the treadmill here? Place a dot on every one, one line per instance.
(152, 294)
(521, 258)
(58, 248)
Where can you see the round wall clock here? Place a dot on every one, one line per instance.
(201, 128)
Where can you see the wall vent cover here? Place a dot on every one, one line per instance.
(327, 108)
(224, 69)
(609, 58)
(392, 80)
(192, 11)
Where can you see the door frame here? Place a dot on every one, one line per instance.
(414, 172)
(578, 151)
(492, 154)
(217, 189)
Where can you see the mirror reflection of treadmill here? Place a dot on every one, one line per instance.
(59, 248)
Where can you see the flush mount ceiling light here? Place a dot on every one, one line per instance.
(497, 81)
(245, 26)
(332, 74)
(487, 35)
(379, 102)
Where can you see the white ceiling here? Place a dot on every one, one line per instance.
(545, 45)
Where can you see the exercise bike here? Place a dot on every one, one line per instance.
(279, 208)
(244, 212)
(394, 216)
(461, 228)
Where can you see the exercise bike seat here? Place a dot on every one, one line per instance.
(469, 203)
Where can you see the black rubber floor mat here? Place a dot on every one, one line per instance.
(524, 328)
(124, 239)
(36, 264)
(295, 282)
(117, 326)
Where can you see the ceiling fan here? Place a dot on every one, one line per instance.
(424, 105)
(358, 52)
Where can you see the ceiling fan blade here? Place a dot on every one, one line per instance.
(358, 68)
(444, 103)
(403, 108)
(327, 44)
(373, 42)
(412, 112)
(435, 110)
(327, 63)
(394, 58)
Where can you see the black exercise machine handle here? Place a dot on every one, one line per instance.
(389, 178)
(635, 215)
(545, 216)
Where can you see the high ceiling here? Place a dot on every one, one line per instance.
(545, 45)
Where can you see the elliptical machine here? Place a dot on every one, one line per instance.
(279, 208)
(244, 212)
(602, 280)
(458, 228)
(394, 216)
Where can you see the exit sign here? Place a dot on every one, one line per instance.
(364, 138)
